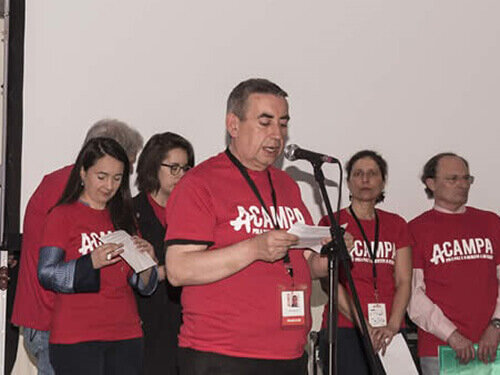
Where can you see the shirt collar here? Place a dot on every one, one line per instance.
(460, 210)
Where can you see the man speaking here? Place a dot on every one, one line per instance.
(227, 244)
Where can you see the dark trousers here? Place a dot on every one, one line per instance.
(193, 362)
(122, 357)
(351, 358)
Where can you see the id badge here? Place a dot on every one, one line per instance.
(292, 308)
(377, 316)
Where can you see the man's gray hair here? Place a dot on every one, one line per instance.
(130, 139)
(237, 101)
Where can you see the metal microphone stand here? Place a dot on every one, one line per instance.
(337, 253)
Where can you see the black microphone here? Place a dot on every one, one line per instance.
(294, 152)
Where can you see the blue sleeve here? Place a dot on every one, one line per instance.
(74, 276)
(145, 290)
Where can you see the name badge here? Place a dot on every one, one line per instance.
(292, 308)
(377, 316)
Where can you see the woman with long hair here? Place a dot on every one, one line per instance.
(162, 163)
(95, 326)
(381, 266)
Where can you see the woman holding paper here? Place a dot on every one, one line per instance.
(95, 327)
(162, 163)
(381, 266)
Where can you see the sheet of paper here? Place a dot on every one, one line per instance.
(138, 260)
(397, 359)
(310, 236)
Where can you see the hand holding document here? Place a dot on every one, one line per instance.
(449, 364)
(310, 236)
(397, 359)
(138, 260)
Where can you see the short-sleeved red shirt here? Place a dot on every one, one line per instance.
(393, 235)
(240, 315)
(108, 315)
(458, 254)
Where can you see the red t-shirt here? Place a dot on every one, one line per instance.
(158, 210)
(33, 304)
(393, 235)
(240, 315)
(111, 313)
(458, 254)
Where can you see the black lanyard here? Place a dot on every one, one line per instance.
(255, 190)
(372, 252)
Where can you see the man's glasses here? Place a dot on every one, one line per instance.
(453, 180)
(175, 169)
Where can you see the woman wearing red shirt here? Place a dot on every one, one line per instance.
(381, 266)
(95, 328)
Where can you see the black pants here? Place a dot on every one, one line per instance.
(122, 357)
(193, 362)
(351, 358)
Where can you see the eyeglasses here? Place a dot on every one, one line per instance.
(453, 180)
(175, 169)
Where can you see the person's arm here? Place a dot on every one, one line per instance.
(145, 285)
(402, 278)
(425, 313)
(77, 275)
(318, 265)
(145, 247)
(490, 338)
(162, 272)
(429, 317)
(145, 282)
(192, 264)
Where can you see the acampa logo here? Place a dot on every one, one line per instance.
(256, 220)
(462, 249)
(90, 241)
(386, 252)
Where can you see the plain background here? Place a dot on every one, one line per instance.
(406, 78)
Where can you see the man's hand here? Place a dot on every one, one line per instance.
(273, 245)
(462, 346)
(488, 343)
(4, 278)
(349, 241)
(12, 262)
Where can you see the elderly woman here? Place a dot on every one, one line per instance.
(381, 266)
(95, 327)
(162, 163)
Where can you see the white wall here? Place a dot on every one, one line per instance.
(407, 78)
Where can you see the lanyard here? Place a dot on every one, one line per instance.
(372, 252)
(244, 173)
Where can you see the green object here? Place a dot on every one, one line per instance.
(449, 365)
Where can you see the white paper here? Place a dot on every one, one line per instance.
(138, 260)
(397, 359)
(310, 236)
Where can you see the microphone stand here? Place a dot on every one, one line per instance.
(338, 254)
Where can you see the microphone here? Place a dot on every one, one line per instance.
(294, 152)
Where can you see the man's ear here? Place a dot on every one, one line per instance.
(232, 124)
(430, 183)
